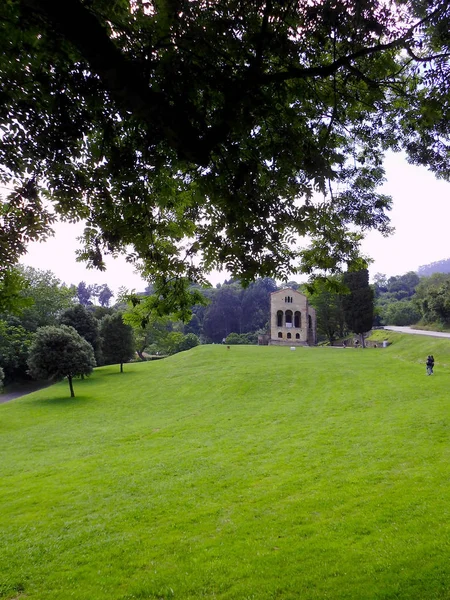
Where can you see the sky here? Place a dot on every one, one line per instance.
(420, 215)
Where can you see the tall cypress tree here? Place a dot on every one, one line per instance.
(358, 304)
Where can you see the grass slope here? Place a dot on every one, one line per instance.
(253, 473)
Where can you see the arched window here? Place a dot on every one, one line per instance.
(298, 319)
(288, 316)
(280, 318)
(297, 336)
(289, 336)
(285, 299)
(280, 335)
(310, 321)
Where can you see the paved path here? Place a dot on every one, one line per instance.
(417, 331)
(16, 391)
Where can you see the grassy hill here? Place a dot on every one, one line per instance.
(249, 473)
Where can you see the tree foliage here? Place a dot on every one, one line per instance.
(401, 312)
(12, 286)
(85, 324)
(197, 133)
(394, 297)
(117, 340)
(358, 304)
(433, 299)
(47, 296)
(329, 304)
(190, 340)
(58, 352)
(15, 342)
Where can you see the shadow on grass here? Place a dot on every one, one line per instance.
(64, 400)
(124, 374)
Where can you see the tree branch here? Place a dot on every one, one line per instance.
(122, 77)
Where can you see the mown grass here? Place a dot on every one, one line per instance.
(249, 473)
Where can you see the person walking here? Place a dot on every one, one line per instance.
(430, 364)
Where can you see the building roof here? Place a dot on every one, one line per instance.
(287, 289)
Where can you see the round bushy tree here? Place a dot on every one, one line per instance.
(58, 352)
(190, 340)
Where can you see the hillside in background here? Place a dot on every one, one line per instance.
(254, 472)
(440, 266)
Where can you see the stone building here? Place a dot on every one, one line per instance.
(292, 319)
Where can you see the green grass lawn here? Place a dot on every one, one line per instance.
(249, 473)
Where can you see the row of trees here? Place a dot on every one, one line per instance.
(46, 309)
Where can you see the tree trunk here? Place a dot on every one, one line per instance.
(141, 355)
(69, 377)
(363, 344)
(121, 367)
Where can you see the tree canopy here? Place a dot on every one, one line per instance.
(58, 352)
(193, 135)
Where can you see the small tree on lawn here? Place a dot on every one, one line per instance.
(118, 344)
(58, 352)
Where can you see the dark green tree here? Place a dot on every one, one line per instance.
(84, 322)
(58, 352)
(118, 345)
(224, 314)
(358, 304)
(192, 135)
(328, 301)
(194, 325)
(255, 304)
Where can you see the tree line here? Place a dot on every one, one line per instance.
(410, 299)
(45, 335)
(345, 304)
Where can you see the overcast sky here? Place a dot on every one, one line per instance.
(420, 215)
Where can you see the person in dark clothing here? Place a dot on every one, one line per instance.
(430, 364)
